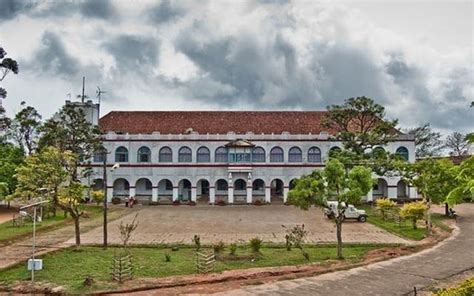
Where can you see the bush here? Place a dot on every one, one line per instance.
(116, 200)
(466, 288)
(255, 244)
(413, 211)
(218, 248)
(257, 202)
(221, 203)
(233, 248)
(287, 242)
(384, 205)
(97, 196)
(167, 257)
(197, 242)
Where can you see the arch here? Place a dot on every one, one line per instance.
(240, 187)
(165, 154)
(144, 154)
(314, 154)
(202, 189)
(334, 150)
(403, 152)
(165, 189)
(184, 190)
(292, 183)
(121, 154)
(276, 189)
(380, 189)
(97, 185)
(277, 155)
(222, 188)
(378, 150)
(143, 188)
(121, 188)
(258, 154)
(295, 155)
(203, 154)
(258, 189)
(402, 189)
(221, 155)
(185, 154)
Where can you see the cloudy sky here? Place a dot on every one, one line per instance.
(413, 57)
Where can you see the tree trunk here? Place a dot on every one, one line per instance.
(446, 209)
(339, 237)
(428, 216)
(77, 230)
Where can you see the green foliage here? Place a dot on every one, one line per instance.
(167, 257)
(7, 65)
(218, 248)
(97, 196)
(296, 237)
(466, 288)
(25, 128)
(464, 185)
(10, 158)
(384, 205)
(413, 211)
(233, 249)
(255, 244)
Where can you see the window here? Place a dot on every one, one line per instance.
(403, 152)
(314, 154)
(258, 154)
(221, 185)
(276, 155)
(165, 155)
(148, 185)
(168, 185)
(144, 154)
(295, 155)
(203, 155)
(221, 155)
(185, 155)
(334, 150)
(121, 154)
(99, 157)
(240, 185)
(258, 185)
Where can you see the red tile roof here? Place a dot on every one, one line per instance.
(214, 122)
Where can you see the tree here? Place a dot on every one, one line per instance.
(50, 170)
(7, 65)
(385, 205)
(360, 124)
(458, 144)
(25, 128)
(334, 182)
(428, 142)
(413, 211)
(10, 158)
(464, 189)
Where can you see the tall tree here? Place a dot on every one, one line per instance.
(464, 189)
(361, 124)
(428, 142)
(7, 65)
(334, 182)
(10, 158)
(25, 128)
(51, 169)
(458, 144)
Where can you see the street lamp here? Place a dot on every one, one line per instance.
(32, 263)
(104, 167)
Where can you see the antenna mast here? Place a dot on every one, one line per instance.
(83, 87)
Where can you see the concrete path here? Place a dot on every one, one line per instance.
(394, 277)
(179, 224)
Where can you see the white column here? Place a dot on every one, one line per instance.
(412, 192)
(268, 197)
(110, 193)
(154, 194)
(131, 192)
(370, 196)
(249, 194)
(392, 192)
(193, 194)
(212, 195)
(175, 193)
(230, 197)
(285, 193)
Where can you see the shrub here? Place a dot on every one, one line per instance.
(384, 205)
(167, 257)
(233, 248)
(197, 242)
(175, 248)
(221, 203)
(287, 242)
(257, 202)
(97, 196)
(466, 288)
(218, 248)
(255, 244)
(296, 236)
(413, 211)
(116, 200)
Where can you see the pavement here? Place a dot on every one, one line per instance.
(394, 277)
(238, 223)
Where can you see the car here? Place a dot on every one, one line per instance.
(351, 212)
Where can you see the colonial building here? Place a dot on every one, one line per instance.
(237, 157)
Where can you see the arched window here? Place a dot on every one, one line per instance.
(185, 154)
(99, 157)
(203, 155)
(121, 154)
(221, 185)
(144, 154)
(295, 155)
(378, 151)
(276, 155)
(221, 155)
(334, 150)
(240, 185)
(258, 185)
(258, 154)
(403, 152)
(165, 155)
(314, 154)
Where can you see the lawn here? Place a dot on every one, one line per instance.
(70, 267)
(404, 229)
(8, 232)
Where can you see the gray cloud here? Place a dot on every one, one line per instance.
(165, 12)
(9, 9)
(100, 9)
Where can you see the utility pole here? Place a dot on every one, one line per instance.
(105, 195)
(83, 88)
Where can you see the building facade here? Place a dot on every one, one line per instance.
(235, 157)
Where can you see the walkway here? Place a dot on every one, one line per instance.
(394, 277)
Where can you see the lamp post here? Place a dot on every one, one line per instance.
(23, 213)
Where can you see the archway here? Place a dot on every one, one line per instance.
(143, 189)
(402, 189)
(222, 190)
(202, 190)
(276, 189)
(240, 190)
(258, 190)
(97, 185)
(165, 190)
(380, 189)
(184, 190)
(121, 188)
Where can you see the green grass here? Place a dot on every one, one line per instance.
(9, 233)
(70, 267)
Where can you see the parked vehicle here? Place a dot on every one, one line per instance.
(351, 212)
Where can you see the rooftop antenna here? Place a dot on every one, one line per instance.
(83, 96)
(99, 92)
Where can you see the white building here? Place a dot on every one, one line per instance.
(237, 157)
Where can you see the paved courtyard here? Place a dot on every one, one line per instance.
(178, 224)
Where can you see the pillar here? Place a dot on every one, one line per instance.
(392, 192)
(132, 192)
(370, 196)
(154, 194)
(412, 192)
(193, 194)
(175, 193)
(212, 195)
(249, 194)
(268, 197)
(230, 196)
(286, 189)
(110, 193)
